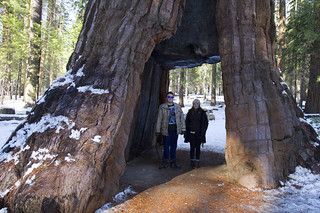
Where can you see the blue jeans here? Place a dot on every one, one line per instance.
(170, 145)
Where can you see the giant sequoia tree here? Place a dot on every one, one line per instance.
(69, 154)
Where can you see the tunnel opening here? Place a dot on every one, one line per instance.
(142, 166)
(195, 43)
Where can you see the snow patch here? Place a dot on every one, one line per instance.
(80, 72)
(75, 134)
(42, 154)
(299, 194)
(4, 210)
(17, 184)
(117, 199)
(63, 80)
(96, 139)
(68, 79)
(284, 93)
(47, 122)
(90, 88)
(41, 100)
(3, 193)
(80, 56)
(30, 181)
(30, 170)
(69, 158)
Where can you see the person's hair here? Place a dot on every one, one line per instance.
(193, 110)
(169, 93)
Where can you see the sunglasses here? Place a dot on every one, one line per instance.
(170, 96)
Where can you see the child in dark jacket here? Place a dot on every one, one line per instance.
(196, 127)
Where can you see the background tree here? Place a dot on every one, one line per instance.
(60, 27)
(182, 83)
(281, 31)
(197, 80)
(301, 38)
(13, 50)
(32, 89)
(213, 85)
(313, 99)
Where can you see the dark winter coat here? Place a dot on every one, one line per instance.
(196, 121)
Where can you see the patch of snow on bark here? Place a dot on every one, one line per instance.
(69, 158)
(75, 134)
(96, 139)
(47, 122)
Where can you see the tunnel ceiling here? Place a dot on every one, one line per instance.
(196, 40)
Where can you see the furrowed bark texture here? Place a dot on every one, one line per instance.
(263, 130)
(76, 168)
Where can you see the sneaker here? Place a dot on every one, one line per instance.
(197, 163)
(173, 164)
(192, 164)
(164, 164)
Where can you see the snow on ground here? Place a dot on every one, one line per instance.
(7, 127)
(301, 193)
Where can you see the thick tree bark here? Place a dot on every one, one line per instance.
(263, 130)
(86, 115)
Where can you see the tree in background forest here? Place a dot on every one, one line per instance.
(313, 99)
(201, 80)
(31, 87)
(301, 53)
(36, 40)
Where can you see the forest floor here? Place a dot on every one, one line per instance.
(206, 189)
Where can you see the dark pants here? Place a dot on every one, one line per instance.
(170, 145)
(195, 143)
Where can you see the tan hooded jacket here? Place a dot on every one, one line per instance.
(163, 119)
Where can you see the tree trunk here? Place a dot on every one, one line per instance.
(32, 88)
(313, 99)
(181, 87)
(263, 130)
(19, 81)
(213, 85)
(1, 91)
(187, 71)
(204, 83)
(87, 114)
(281, 31)
(303, 95)
(26, 97)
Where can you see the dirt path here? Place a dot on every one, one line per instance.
(207, 189)
(143, 173)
